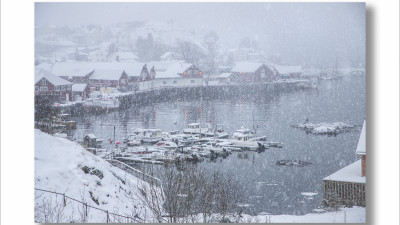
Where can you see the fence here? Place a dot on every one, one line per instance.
(137, 173)
(86, 206)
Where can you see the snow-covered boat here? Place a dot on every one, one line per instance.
(194, 128)
(108, 103)
(218, 132)
(243, 134)
(133, 140)
(149, 136)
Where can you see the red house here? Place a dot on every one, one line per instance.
(48, 84)
(252, 72)
(115, 78)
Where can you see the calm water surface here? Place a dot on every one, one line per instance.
(268, 188)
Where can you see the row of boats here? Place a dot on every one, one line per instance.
(194, 143)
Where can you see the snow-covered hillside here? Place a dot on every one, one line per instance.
(167, 34)
(66, 167)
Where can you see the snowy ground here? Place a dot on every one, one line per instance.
(58, 168)
(345, 215)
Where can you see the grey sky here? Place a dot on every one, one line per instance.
(299, 33)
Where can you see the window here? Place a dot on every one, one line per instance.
(57, 88)
(192, 81)
(174, 81)
(36, 88)
(164, 82)
(43, 88)
(123, 81)
(62, 88)
(44, 81)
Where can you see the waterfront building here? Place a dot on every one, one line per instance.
(347, 185)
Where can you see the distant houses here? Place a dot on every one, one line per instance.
(134, 76)
(347, 185)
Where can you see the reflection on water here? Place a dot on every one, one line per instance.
(268, 187)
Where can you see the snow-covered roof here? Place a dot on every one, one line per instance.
(160, 66)
(224, 75)
(288, 69)
(246, 67)
(361, 142)
(350, 173)
(68, 68)
(78, 87)
(53, 79)
(45, 65)
(169, 69)
(107, 74)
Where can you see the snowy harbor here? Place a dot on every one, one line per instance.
(316, 154)
(247, 113)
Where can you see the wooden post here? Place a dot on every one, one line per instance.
(64, 200)
(108, 217)
(86, 211)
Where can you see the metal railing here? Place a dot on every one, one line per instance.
(86, 206)
(137, 173)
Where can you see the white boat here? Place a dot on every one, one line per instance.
(167, 145)
(133, 140)
(218, 132)
(243, 134)
(150, 136)
(194, 128)
(108, 103)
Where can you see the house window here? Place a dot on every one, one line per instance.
(174, 81)
(36, 88)
(44, 82)
(43, 88)
(164, 82)
(57, 88)
(123, 81)
(192, 81)
(62, 88)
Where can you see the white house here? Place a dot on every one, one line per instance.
(172, 74)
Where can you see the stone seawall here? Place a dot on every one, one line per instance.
(165, 94)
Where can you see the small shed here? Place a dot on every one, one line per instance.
(91, 141)
(80, 92)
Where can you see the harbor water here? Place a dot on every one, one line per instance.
(267, 187)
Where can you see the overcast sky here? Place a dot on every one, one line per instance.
(299, 33)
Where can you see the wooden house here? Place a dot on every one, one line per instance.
(248, 72)
(347, 185)
(115, 78)
(48, 84)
